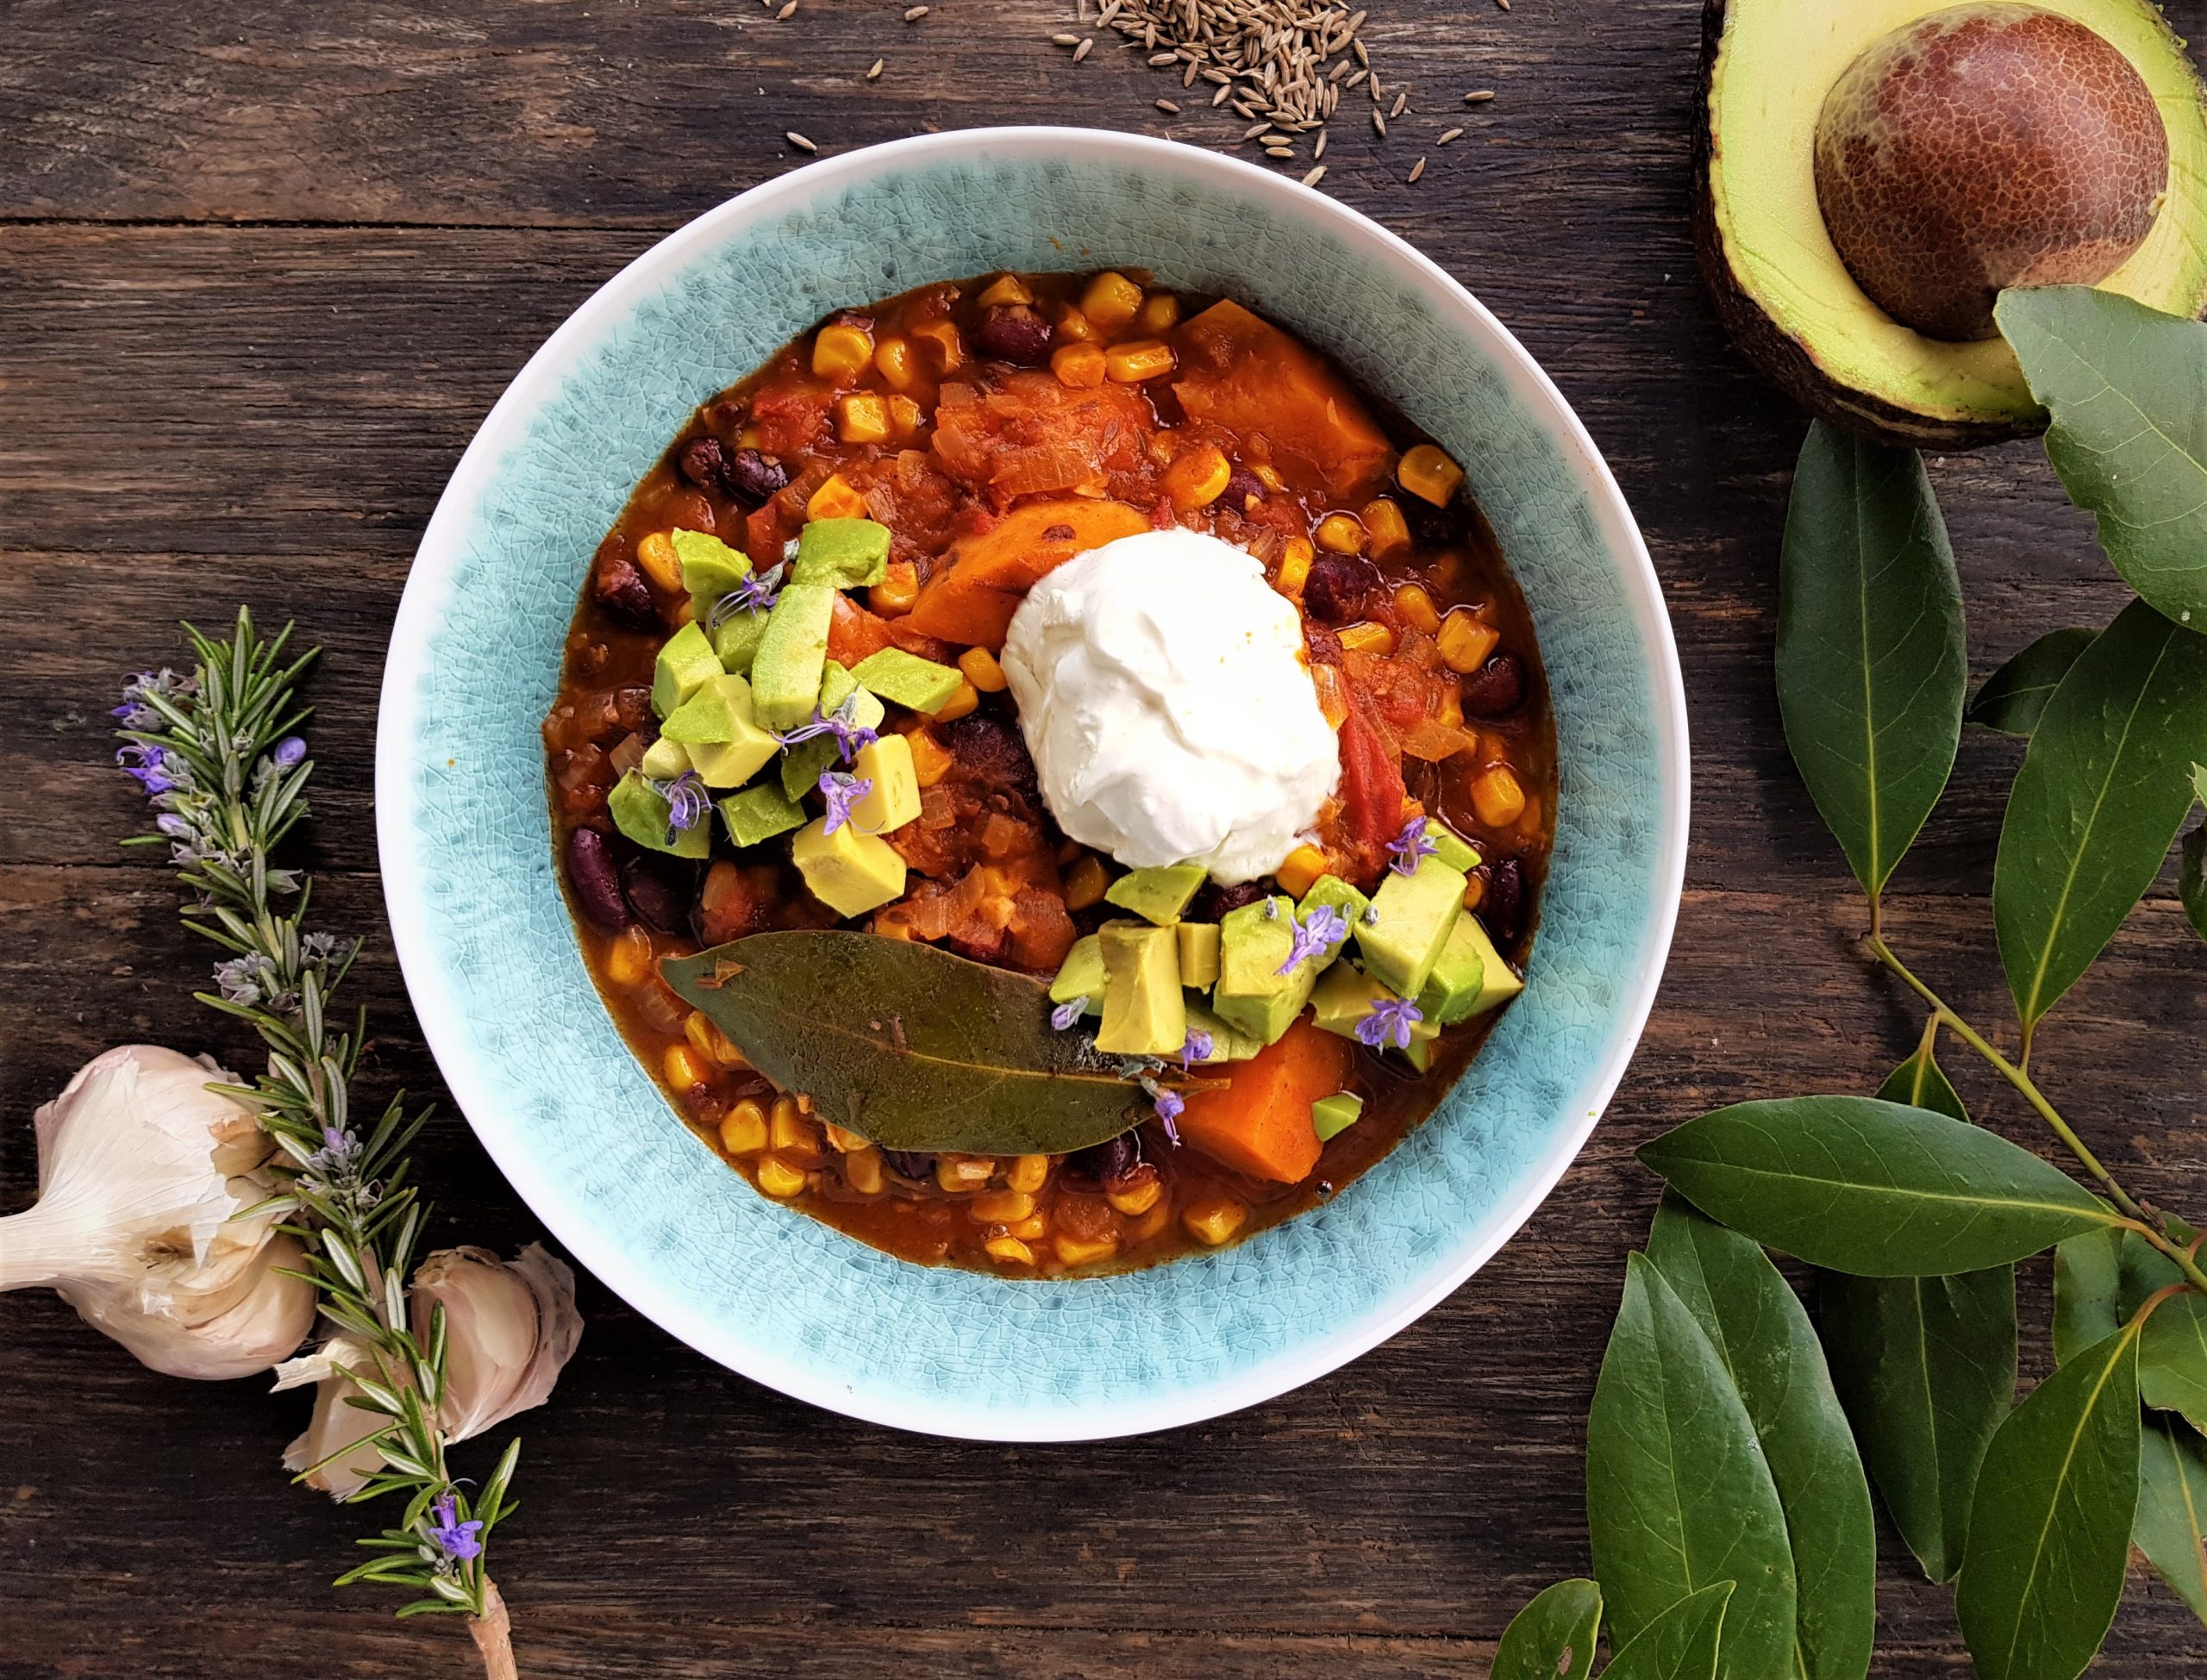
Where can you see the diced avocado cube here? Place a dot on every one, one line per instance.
(844, 553)
(1411, 918)
(848, 871)
(1332, 1115)
(1081, 974)
(906, 679)
(1252, 994)
(1157, 894)
(1229, 1043)
(1344, 998)
(1451, 848)
(663, 760)
(894, 799)
(1469, 978)
(639, 810)
(837, 685)
(1419, 1052)
(785, 671)
(715, 724)
(759, 813)
(736, 639)
(684, 663)
(1198, 953)
(709, 567)
(1144, 1014)
(804, 763)
(1331, 893)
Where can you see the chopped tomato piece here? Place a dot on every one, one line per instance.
(1372, 781)
(1033, 436)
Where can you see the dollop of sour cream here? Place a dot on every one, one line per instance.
(1166, 700)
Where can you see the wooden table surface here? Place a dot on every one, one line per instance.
(267, 265)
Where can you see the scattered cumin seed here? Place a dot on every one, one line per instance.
(1084, 50)
(799, 141)
(1065, 40)
(1166, 105)
(1157, 60)
(1416, 169)
(1319, 150)
(1448, 135)
(1315, 176)
(1362, 57)
(1219, 99)
(913, 14)
(1401, 101)
(1380, 122)
(1478, 96)
(873, 69)
(1283, 152)
(788, 7)
(1258, 128)
(1504, 4)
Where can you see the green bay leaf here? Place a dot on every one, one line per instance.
(1679, 1494)
(1687, 1642)
(1552, 1636)
(910, 1045)
(2014, 697)
(2099, 1280)
(2172, 1517)
(1871, 666)
(1763, 1336)
(2049, 1532)
(2098, 802)
(1871, 1188)
(2172, 1357)
(2128, 435)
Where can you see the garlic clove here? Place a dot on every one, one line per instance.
(510, 1327)
(321, 1449)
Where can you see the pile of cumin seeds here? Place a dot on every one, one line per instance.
(1278, 61)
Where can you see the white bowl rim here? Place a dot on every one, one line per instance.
(639, 1283)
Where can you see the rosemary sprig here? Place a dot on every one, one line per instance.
(218, 756)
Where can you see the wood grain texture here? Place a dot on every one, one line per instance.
(194, 412)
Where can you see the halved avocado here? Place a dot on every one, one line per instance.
(1779, 284)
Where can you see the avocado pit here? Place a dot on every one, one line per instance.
(1982, 147)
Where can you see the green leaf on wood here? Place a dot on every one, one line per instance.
(2014, 697)
(2172, 1518)
(1552, 1636)
(1762, 1334)
(2128, 435)
(1871, 666)
(1921, 1083)
(2049, 1532)
(1678, 1496)
(2191, 871)
(1687, 1642)
(2099, 801)
(1875, 1188)
(908, 1044)
(2100, 1279)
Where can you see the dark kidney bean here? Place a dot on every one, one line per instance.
(656, 893)
(618, 586)
(594, 881)
(1110, 1162)
(704, 462)
(1214, 900)
(1503, 909)
(1015, 334)
(909, 1164)
(992, 753)
(755, 476)
(1337, 589)
(1497, 688)
(1240, 488)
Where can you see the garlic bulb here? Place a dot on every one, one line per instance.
(141, 1173)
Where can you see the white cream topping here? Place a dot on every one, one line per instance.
(1165, 699)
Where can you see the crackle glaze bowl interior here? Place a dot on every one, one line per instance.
(490, 953)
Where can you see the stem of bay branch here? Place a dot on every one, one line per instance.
(493, 1633)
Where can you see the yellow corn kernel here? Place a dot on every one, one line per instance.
(1270, 479)
(1159, 313)
(1137, 1198)
(958, 1174)
(683, 1067)
(743, 1128)
(1198, 478)
(892, 360)
(842, 1141)
(1009, 1251)
(1215, 1220)
(1427, 473)
(1340, 533)
(930, 758)
(1368, 637)
(628, 957)
(1077, 1251)
(959, 704)
(1143, 1229)
(1389, 533)
(1300, 870)
(1085, 883)
(836, 499)
(1164, 448)
(1528, 820)
(655, 553)
(862, 1169)
(1294, 567)
(982, 670)
(1074, 327)
(862, 417)
(841, 351)
(892, 597)
(1001, 1207)
(1143, 359)
(1030, 1229)
(1416, 607)
(711, 1041)
(1078, 366)
(1006, 289)
(1028, 1173)
(941, 338)
(905, 418)
(1466, 640)
(1451, 714)
(1498, 797)
(1475, 893)
(779, 1179)
(789, 1129)
(1111, 301)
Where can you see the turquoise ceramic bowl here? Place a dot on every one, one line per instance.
(489, 954)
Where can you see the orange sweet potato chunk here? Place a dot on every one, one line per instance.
(971, 600)
(1260, 1124)
(1240, 372)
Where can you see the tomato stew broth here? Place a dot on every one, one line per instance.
(936, 413)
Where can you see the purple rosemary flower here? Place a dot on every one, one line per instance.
(135, 712)
(1197, 1049)
(175, 828)
(339, 1151)
(288, 751)
(842, 723)
(1168, 1105)
(1389, 1023)
(244, 980)
(842, 791)
(155, 769)
(456, 1539)
(1062, 1017)
(686, 804)
(1321, 929)
(755, 595)
(1407, 847)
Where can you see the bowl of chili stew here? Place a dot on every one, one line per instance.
(572, 1081)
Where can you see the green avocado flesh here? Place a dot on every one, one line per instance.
(1789, 300)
